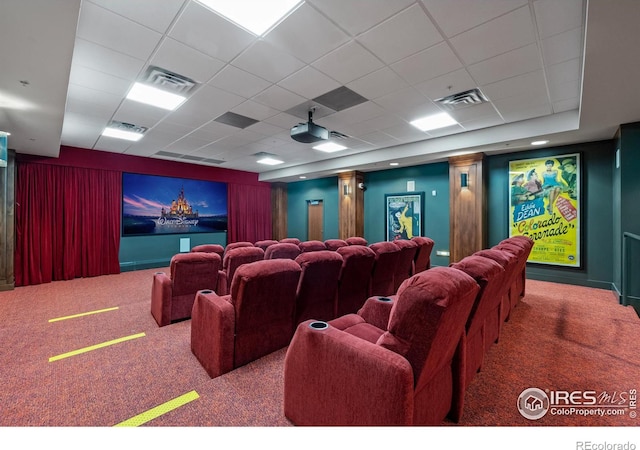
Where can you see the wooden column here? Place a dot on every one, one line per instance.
(350, 205)
(467, 214)
(279, 210)
(7, 221)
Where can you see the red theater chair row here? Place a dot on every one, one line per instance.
(405, 359)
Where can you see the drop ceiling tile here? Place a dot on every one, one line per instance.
(553, 17)
(206, 31)
(265, 129)
(510, 64)
(405, 132)
(100, 81)
(408, 104)
(563, 72)
(451, 83)
(355, 114)
(139, 113)
(500, 35)
(208, 102)
(402, 35)
(213, 131)
(150, 13)
(566, 105)
(532, 82)
(380, 139)
(349, 62)
(278, 98)
(254, 110)
(109, 144)
(270, 62)
(80, 130)
(179, 58)
(562, 47)
(298, 34)
(427, 64)
(483, 122)
(239, 82)
(309, 83)
(564, 91)
(454, 17)
(446, 131)
(284, 120)
(474, 112)
(378, 84)
(118, 33)
(83, 100)
(105, 60)
(171, 131)
(522, 107)
(186, 144)
(357, 16)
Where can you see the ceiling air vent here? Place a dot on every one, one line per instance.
(462, 99)
(167, 81)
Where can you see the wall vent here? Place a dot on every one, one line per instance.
(167, 81)
(462, 99)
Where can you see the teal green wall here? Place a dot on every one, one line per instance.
(427, 178)
(299, 193)
(145, 252)
(596, 219)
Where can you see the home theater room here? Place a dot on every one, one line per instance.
(295, 220)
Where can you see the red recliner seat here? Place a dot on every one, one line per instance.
(356, 240)
(238, 244)
(390, 364)
(516, 285)
(290, 240)
(318, 285)
(311, 246)
(404, 268)
(423, 255)
(236, 257)
(355, 278)
(489, 275)
(254, 320)
(172, 295)
(282, 250)
(527, 245)
(265, 243)
(209, 248)
(335, 244)
(384, 269)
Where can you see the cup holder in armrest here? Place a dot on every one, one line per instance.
(384, 299)
(318, 325)
(159, 273)
(206, 291)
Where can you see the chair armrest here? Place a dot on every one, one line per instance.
(376, 310)
(334, 378)
(212, 332)
(222, 287)
(161, 290)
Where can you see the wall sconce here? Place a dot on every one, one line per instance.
(464, 180)
(345, 189)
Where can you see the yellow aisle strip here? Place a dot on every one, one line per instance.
(83, 314)
(97, 346)
(159, 410)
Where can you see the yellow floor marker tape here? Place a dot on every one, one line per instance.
(82, 314)
(159, 410)
(97, 346)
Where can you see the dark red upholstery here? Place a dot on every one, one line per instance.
(404, 268)
(355, 373)
(335, 244)
(238, 256)
(356, 240)
(209, 248)
(254, 320)
(290, 240)
(489, 275)
(355, 278)
(527, 245)
(311, 246)
(423, 255)
(265, 243)
(516, 285)
(384, 269)
(318, 287)
(282, 250)
(172, 296)
(509, 263)
(233, 245)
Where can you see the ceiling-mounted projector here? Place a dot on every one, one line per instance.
(309, 132)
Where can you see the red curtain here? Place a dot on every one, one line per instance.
(249, 213)
(67, 223)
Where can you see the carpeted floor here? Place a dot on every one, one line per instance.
(559, 337)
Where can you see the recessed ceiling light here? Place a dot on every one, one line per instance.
(153, 96)
(126, 131)
(539, 142)
(255, 16)
(393, 164)
(268, 160)
(302, 177)
(329, 147)
(433, 122)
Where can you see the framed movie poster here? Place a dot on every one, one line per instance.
(404, 215)
(163, 205)
(544, 204)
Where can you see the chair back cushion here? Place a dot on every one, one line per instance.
(423, 255)
(238, 256)
(428, 318)
(233, 245)
(265, 243)
(335, 244)
(311, 246)
(191, 272)
(280, 250)
(209, 248)
(404, 268)
(384, 269)
(263, 294)
(355, 278)
(356, 240)
(318, 286)
(290, 240)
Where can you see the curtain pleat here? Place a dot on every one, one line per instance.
(67, 223)
(249, 213)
